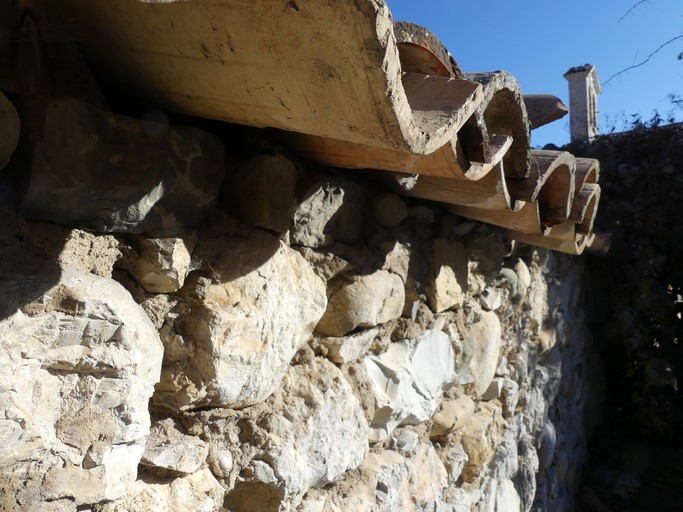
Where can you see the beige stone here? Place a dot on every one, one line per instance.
(452, 415)
(479, 437)
(262, 192)
(389, 210)
(448, 282)
(362, 301)
(483, 341)
(198, 492)
(345, 349)
(239, 331)
(162, 264)
(168, 449)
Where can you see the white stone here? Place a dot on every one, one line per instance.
(455, 462)
(408, 381)
(523, 278)
(490, 299)
(483, 341)
(243, 328)
(406, 442)
(78, 363)
(315, 430)
(345, 349)
(169, 449)
(362, 301)
(198, 492)
(507, 499)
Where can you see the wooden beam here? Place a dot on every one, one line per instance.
(504, 113)
(329, 69)
(551, 183)
(543, 109)
(562, 238)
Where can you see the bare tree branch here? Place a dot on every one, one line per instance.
(667, 43)
(631, 9)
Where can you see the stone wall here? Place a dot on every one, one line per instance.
(295, 339)
(636, 303)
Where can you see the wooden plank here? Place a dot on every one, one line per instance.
(585, 208)
(543, 109)
(421, 51)
(587, 171)
(562, 238)
(488, 192)
(526, 219)
(551, 183)
(329, 69)
(504, 113)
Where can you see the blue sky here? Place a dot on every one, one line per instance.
(539, 40)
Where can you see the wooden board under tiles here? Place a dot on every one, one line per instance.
(487, 192)
(526, 218)
(329, 69)
(562, 238)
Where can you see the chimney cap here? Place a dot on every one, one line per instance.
(578, 72)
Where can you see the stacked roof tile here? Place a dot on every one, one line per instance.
(349, 87)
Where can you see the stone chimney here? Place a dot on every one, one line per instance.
(584, 88)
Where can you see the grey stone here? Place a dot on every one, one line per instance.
(262, 192)
(96, 170)
(330, 210)
(389, 210)
(9, 130)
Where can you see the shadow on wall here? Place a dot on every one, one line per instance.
(636, 293)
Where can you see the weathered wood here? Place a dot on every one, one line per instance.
(329, 69)
(448, 161)
(543, 109)
(488, 192)
(504, 113)
(424, 91)
(585, 207)
(421, 51)
(551, 183)
(562, 238)
(9, 130)
(526, 218)
(587, 171)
